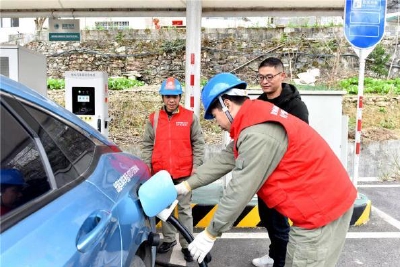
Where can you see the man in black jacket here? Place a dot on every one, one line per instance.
(271, 75)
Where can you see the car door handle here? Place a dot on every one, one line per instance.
(92, 230)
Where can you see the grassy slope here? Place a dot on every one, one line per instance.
(129, 110)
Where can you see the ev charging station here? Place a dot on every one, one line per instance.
(25, 66)
(86, 95)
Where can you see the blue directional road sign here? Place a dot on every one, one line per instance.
(364, 22)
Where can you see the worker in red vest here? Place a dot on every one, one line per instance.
(173, 141)
(271, 76)
(286, 162)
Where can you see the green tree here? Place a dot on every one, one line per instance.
(378, 61)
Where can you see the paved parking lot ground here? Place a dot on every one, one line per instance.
(376, 243)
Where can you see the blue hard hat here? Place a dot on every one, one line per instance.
(11, 177)
(171, 86)
(216, 86)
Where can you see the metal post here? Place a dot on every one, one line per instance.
(362, 55)
(357, 143)
(193, 60)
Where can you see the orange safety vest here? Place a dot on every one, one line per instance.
(173, 147)
(310, 185)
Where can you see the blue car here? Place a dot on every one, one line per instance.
(69, 196)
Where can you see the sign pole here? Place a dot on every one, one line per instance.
(362, 55)
(364, 28)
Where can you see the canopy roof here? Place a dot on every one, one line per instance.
(146, 8)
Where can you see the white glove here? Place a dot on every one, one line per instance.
(182, 188)
(201, 245)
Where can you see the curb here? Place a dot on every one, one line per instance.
(202, 214)
(361, 211)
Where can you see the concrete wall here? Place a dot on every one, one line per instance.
(156, 54)
(377, 159)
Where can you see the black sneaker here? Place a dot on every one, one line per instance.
(186, 255)
(166, 246)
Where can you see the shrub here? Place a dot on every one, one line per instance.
(123, 83)
(379, 60)
(371, 85)
(113, 83)
(55, 84)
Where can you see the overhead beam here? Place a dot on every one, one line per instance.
(171, 12)
(272, 12)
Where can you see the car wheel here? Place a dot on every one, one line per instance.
(137, 262)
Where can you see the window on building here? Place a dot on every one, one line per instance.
(14, 22)
(110, 25)
(9, 22)
(5, 66)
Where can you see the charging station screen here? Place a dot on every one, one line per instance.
(83, 100)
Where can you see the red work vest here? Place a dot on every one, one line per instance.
(310, 185)
(173, 148)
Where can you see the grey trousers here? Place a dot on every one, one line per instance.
(184, 216)
(319, 247)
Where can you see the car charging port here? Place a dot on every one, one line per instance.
(158, 197)
(154, 239)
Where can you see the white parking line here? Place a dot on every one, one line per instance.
(378, 212)
(349, 235)
(245, 235)
(378, 185)
(386, 217)
(360, 235)
(177, 254)
(369, 179)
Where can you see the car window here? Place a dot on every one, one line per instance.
(69, 152)
(23, 176)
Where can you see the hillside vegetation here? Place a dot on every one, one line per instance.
(130, 108)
